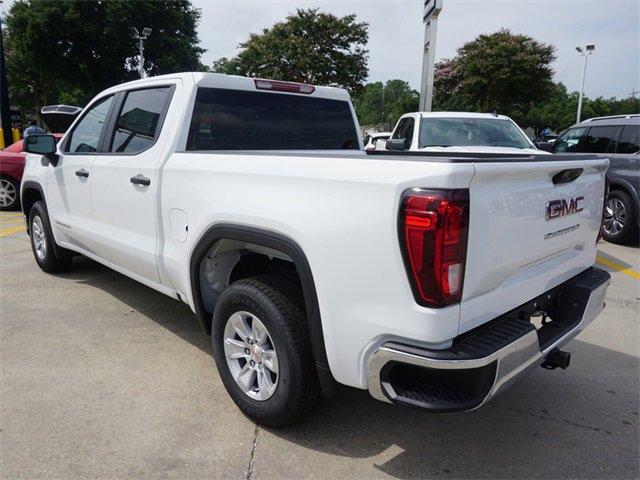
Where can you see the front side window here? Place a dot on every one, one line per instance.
(399, 131)
(138, 122)
(629, 141)
(408, 132)
(598, 139)
(85, 136)
(569, 141)
(475, 132)
(226, 119)
(405, 131)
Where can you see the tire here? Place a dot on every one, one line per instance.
(291, 391)
(9, 193)
(43, 243)
(620, 222)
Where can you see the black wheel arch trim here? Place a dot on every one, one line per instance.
(277, 242)
(36, 186)
(29, 184)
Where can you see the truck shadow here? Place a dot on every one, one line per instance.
(552, 424)
(169, 313)
(579, 423)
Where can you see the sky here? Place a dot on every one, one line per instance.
(396, 33)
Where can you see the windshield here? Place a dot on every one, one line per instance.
(464, 132)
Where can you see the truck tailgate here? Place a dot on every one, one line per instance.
(528, 232)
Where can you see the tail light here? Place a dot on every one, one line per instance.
(604, 208)
(434, 227)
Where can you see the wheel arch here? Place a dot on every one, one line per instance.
(30, 193)
(274, 241)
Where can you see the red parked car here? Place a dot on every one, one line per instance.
(11, 168)
(58, 118)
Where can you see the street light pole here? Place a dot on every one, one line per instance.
(432, 9)
(141, 38)
(589, 49)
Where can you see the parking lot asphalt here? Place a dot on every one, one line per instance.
(102, 377)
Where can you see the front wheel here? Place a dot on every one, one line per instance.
(620, 219)
(42, 241)
(262, 350)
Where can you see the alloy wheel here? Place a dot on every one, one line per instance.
(251, 355)
(8, 193)
(39, 238)
(614, 216)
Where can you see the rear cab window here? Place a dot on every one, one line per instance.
(225, 119)
(461, 131)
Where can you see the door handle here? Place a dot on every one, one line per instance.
(82, 173)
(140, 180)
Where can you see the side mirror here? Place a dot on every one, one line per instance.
(396, 144)
(42, 145)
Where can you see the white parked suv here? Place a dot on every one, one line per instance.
(454, 132)
(431, 281)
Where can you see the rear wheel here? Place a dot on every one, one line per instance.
(262, 350)
(620, 224)
(9, 193)
(42, 242)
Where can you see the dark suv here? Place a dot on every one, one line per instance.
(619, 138)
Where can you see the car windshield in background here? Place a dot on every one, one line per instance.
(470, 132)
(244, 120)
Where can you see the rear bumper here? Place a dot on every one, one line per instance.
(483, 362)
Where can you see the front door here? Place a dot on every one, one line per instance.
(125, 182)
(69, 183)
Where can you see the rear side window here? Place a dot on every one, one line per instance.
(598, 139)
(244, 120)
(569, 141)
(629, 141)
(138, 123)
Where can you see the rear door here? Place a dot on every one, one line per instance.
(532, 226)
(125, 183)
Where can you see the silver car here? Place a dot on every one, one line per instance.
(619, 138)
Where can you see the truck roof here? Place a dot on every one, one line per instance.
(458, 115)
(235, 82)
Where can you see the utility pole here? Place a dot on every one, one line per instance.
(141, 38)
(432, 9)
(5, 111)
(589, 49)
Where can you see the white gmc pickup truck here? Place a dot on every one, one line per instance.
(432, 280)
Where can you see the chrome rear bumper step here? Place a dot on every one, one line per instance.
(483, 362)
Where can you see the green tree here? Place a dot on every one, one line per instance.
(72, 50)
(559, 111)
(502, 71)
(378, 103)
(308, 47)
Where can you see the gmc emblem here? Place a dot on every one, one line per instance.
(560, 208)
